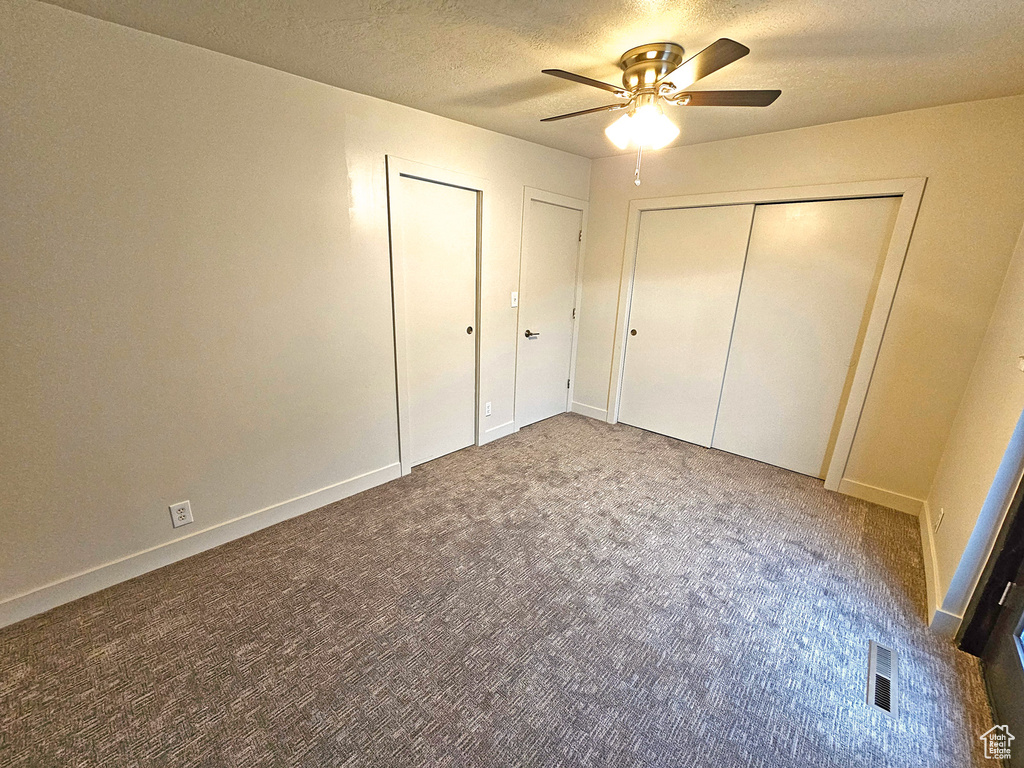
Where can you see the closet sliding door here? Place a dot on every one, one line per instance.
(808, 286)
(686, 281)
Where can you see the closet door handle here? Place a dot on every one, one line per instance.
(531, 334)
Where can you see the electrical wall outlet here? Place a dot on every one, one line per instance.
(938, 520)
(487, 408)
(181, 514)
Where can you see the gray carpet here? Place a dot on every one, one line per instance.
(574, 595)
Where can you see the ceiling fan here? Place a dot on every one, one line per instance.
(646, 88)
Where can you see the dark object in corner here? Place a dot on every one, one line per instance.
(1001, 568)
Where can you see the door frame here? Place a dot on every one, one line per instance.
(531, 194)
(398, 168)
(909, 190)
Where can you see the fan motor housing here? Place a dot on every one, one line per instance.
(646, 64)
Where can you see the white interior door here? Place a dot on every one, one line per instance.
(811, 270)
(547, 298)
(436, 228)
(686, 281)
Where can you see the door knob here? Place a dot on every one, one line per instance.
(469, 329)
(531, 334)
(633, 332)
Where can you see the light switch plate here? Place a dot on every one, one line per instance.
(515, 298)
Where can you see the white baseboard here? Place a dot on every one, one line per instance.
(73, 587)
(882, 497)
(591, 411)
(495, 433)
(942, 623)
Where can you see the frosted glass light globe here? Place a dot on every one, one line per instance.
(647, 127)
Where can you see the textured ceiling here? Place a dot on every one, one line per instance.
(479, 61)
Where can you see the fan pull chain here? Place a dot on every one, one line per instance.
(639, 157)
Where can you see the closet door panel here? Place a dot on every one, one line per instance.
(810, 274)
(685, 286)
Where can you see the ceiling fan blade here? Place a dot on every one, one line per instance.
(717, 55)
(724, 98)
(586, 81)
(607, 108)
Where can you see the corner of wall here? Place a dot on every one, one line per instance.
(590, 410)
(881, 496)
(940, 622)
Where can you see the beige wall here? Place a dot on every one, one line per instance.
(970, 216)
(981, 465)
(195, 294)
(195, 289)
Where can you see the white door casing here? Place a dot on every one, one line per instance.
(548, 289)
(810, 273)
(435, 222)
(689, 264)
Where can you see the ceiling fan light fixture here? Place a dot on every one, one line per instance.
(652, 129)
(646, 88)
(645, 127)
(620, 132)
